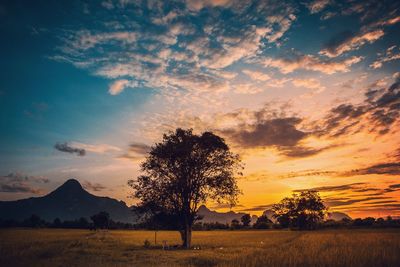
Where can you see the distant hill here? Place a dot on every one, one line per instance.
(210, 216)
(268, 214)
(337, 216)
(68, 202)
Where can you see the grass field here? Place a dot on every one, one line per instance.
(47, 247)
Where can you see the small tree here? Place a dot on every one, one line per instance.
(263, 222)
(304, 210)
(246, 220)
(183, 171)
(235, 224)
(101, 220)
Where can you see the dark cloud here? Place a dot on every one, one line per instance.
(279, 132)
(257, 208)
(93, 186)
(333, 188)
(335, 202)
(381, 109)
(394, 186)
(64, 147)
(136, 152)
(17, 182)
(367, 189)
(307, 173)
(341, 119)
(338, 40)
(18, 187)
(138, 148)
(382, 168)
(224, 206)
(302, 151)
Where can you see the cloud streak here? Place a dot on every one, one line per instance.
(66, 148)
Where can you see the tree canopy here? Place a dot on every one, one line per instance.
(183, 171)
(303, 210)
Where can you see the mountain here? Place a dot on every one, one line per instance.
(268, 214)
(210, 216)
(337, 216)
(68, 202)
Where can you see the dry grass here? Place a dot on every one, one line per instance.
(44, 247)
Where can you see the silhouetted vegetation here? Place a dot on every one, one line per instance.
(101, 220)
(183, 171)
(263, 223)
(303, 211)
(246, 220)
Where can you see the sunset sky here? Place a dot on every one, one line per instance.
(307, 92)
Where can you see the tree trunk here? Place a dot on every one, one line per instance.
(186, 236)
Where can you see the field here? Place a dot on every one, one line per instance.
(48, 247)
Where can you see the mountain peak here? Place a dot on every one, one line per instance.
(203, 208)
(72, 183)
(70, 188)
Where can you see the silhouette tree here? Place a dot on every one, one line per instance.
(101, 220)
(34, 221)
(57, 223)
(262, 222)
(235, 224)
(183, 171)
(304, 210)
(246, 220)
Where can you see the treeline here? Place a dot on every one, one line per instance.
(100, 220)
(369, 222)
(264, 223)
(103, 221)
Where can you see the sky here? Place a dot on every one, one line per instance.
(306, 92)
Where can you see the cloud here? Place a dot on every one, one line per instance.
(312, 63)
(380, 110)
(336, 202)
(136, 152)
(279, 132)
(333, 188)
(307, 173)
(348, 41)
(257, 75)
(96, 148)
(84, 39)
(257, 208)
(309, 83)
(390, 55)
(118, 86)
(18, 182)
(300, 151)
(172, 48)
(247, 88)
(196, 5)
(394, 186)
(18, 188)
(392, 168)
(65, 147)
(316, 6)
(232, 52)
(269, 132)
(93, 186)
(139, 148)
